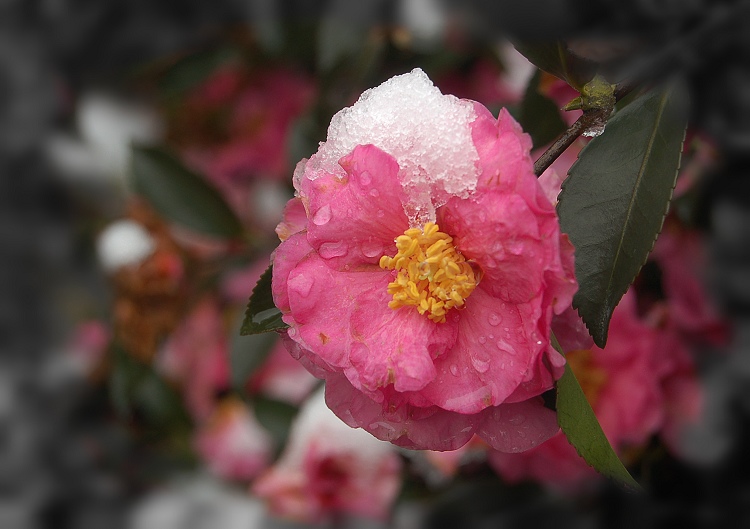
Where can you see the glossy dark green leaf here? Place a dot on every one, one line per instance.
(554, 57)
(582, 429)
(181, 195)
(616, 196)
(539, 115)
(261, 314)
(247, 354)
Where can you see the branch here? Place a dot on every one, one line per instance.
(590, 118)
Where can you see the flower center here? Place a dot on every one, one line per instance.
(432, 275)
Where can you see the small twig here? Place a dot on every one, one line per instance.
(566, 139)
(589, 119)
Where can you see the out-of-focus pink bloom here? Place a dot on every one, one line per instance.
(232, 442)
(484, 83)
(382, 288)
(254, 112)
(642, 384)
(328, 469)
(681, 256)
(196, 355)
(235, 129)
(237, 285)
(282, 377)
(88, 346)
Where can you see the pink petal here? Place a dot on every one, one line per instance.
(284, 259)
(344, 318)
(405, 425)
(355, 220)
(294, 219)
(517, 427)
(497, 342)
(499, 232)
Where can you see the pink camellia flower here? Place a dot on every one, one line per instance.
(196, 356)
(642, 384)
(232, 442)
(328, 469)
(421, 281)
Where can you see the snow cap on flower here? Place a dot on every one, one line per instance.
(420, 266)
(328, 468)
(124, 243)
(428, 133)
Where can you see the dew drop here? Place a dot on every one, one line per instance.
(301, 285)
(492, 336)
(372, 248)
(482, 340)
(380, 213)
(374, 193)
(494, 319)
(329, 250)
(365, 178)
(480, 362)
(454, 370)
(322, 216)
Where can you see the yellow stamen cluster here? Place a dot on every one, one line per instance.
(432, 275)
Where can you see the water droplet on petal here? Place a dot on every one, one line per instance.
(372, 248)
(454, 370)
(380, 213)
(494, 319)
(365, 178)
(374, 193)
(482, 340)
(322, 216)
(301, 285)
(329, 250)
(480, 361)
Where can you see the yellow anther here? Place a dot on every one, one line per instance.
(431, 275)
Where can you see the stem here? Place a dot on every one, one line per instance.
(588, 119)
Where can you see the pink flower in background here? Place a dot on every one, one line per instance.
(329, 469)
(241, 120)
(235, 128)
(282, 377)
(196, 356)
(87, 347)
(681, 256)
(642, 384)
(232, 442)
(423, 284)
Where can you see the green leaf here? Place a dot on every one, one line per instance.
(582, 429)
(247, 354)
(615, 198)
(180, 195)
(539, 116)
(191, 70)
(554, 57)
(261, 314)
(276, 417)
